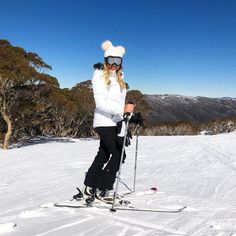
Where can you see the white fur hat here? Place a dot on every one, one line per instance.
(110, 50)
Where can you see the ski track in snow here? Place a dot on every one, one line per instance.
(31, 214)
(68, 225)
(126, 225)
(196, 171)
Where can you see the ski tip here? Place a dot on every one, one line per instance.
(47, 205)
(154, 189)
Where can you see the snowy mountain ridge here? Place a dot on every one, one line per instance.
(172, 108)
(183, 97)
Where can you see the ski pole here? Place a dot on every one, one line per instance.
(126, 120)
(136, 159)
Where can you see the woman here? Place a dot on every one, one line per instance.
(109, 92)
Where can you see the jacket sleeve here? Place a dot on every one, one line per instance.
(100, 93)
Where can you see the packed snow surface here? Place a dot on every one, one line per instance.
(194, 171)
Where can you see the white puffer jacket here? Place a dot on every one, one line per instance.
(109, 100)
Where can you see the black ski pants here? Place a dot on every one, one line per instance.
(102, 172)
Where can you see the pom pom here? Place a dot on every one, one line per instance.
(122, 50)
(106, 44)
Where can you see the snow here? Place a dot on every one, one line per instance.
(194, 171)
(7, 227)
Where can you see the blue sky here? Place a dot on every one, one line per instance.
(185, 47)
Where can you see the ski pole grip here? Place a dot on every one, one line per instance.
(126, 114)
(130, 102)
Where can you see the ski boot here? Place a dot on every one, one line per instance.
(89, 195)
(105, 197)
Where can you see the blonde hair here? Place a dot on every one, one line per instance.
(119, 75)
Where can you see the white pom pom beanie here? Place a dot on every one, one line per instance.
(110, 50)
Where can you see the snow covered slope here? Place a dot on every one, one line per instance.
(196, 171)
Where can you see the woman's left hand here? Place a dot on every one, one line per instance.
(129, 108)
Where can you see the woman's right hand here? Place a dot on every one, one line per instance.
(129, 108)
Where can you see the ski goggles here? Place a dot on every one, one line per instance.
(113, 60)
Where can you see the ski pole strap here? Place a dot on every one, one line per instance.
(127, 116)
(125, 185)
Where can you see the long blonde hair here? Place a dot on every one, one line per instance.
(119, 75)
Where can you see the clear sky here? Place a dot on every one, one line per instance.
(185, 47)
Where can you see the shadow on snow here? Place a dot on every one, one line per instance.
(41, 140)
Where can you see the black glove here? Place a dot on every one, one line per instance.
(137, 118)
(98, 66)
(128, 138)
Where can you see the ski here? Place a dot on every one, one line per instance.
(73, 204)
(121, 204)
(150, 191)
(81, 203)
(160, 210)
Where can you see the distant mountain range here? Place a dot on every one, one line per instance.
(171, 108)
